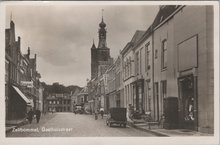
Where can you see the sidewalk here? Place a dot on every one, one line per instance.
(11, 124)
(167, 132)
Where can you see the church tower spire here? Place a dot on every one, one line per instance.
(102, 33)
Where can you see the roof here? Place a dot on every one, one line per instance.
(83, 91)
(164, 12)
(93, 46)
(76, 91)
(138, 34)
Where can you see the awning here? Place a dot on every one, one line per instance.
(22, 95)
(32, 103)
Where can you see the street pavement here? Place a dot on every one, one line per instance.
(74, 125)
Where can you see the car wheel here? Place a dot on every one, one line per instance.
(110, 124)
(124, 125)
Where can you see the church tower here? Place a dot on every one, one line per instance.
(100, 56)
(102, 35)
(94, 64)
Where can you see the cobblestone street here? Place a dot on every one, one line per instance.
(73, 125)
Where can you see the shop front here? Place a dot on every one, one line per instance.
(139, 96)
(19, 104)
(188, 102)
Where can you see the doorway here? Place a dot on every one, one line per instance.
(188, 102)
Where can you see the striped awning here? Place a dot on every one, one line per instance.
(22, 95)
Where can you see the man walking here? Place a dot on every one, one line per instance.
(38, 114)
(102, 112)
(30, 116)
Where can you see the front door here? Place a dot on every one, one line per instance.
(188, 102)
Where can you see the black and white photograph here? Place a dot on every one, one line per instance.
(102, 70)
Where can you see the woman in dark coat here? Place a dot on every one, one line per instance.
(30, 116)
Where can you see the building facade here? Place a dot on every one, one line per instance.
(58, 103)
(82, 99)
(74, 99)
(168, 70)
(178, 61)
(100, 60)
(142, 85)
(129, 71)
(21, 78)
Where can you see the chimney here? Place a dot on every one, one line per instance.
(19, 43)
(35, 57)
(28, 52)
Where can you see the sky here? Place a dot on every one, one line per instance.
(62, 35)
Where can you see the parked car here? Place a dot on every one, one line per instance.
(117, 116)
(79, 110)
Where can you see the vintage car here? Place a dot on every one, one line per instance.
(117, 116)
(79, 110)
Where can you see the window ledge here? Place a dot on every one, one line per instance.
(163, 69)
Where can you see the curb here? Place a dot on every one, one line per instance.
(148, 131)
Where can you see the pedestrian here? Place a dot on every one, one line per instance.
(30, 116)
(38, 114)
(102, 112)
(96, 114)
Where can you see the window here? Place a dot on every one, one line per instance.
(126, 68)
(156, 54)
(82, 100)
(50, 102)
(137, 63)
(164, 89)
(164, 54)
(147, 54)
(130, 65)
(141, 60)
